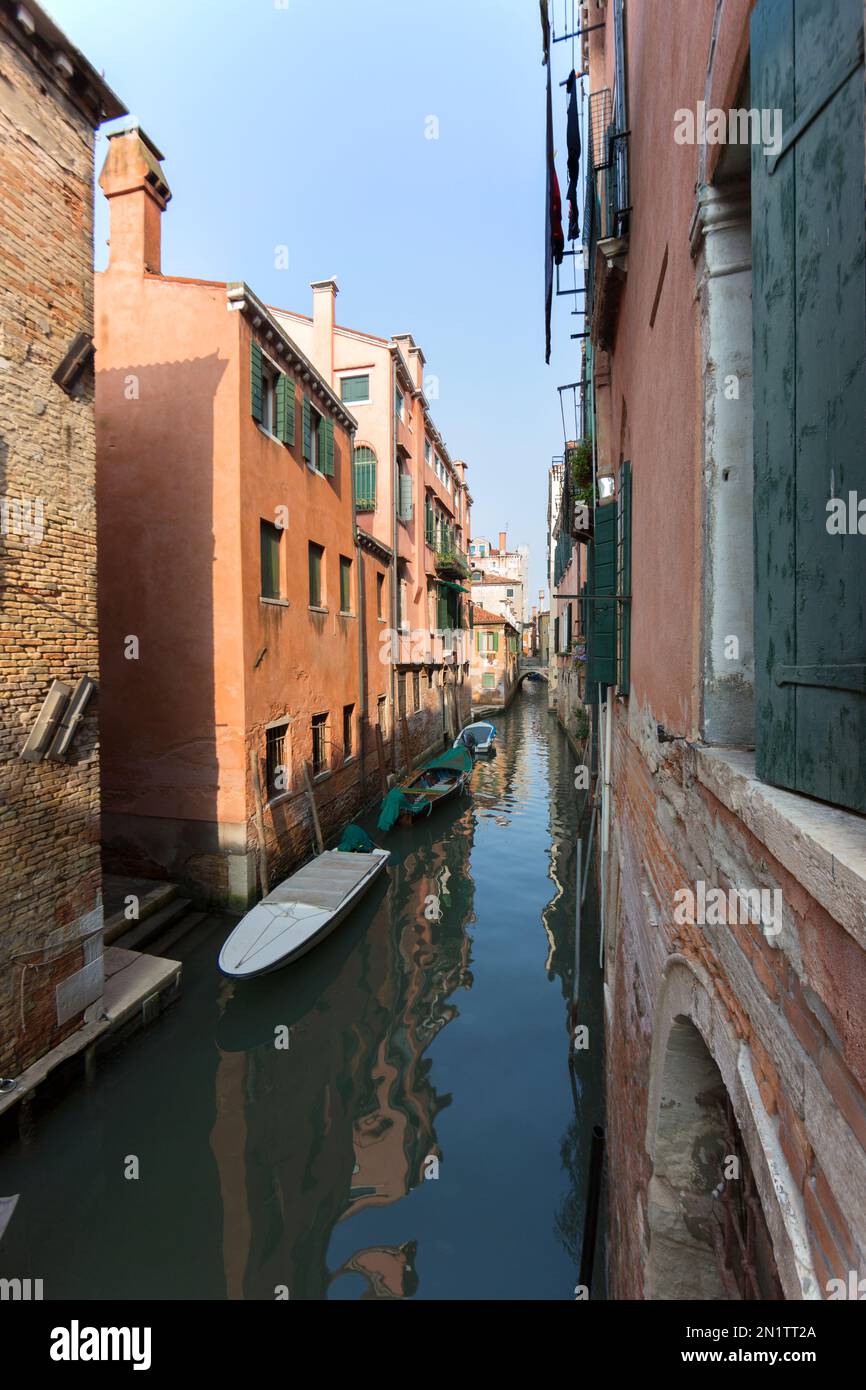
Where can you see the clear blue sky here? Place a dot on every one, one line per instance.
(304, 124)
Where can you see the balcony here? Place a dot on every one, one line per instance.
(606, 214)
(451, 560)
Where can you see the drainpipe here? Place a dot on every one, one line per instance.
(605, 813)
(362, 621)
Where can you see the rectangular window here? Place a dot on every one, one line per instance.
(398, 403)
(509, 593)
(348, 715)
(317, 555)
(429, 677)
(345, 584)
(365, 479)
(488, 680)
(312, 436)
(401, 692)
(427, 451)
(380, 595)
(355, 390)
(382, 714)
(269, 391)
(416, 691)
(320, 743)
(276, 765)
(270, 557)
(406, 499)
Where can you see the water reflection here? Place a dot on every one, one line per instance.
(420, 1136)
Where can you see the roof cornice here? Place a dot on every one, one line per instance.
(375, 547)
(240, 296)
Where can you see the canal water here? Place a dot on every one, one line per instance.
(392, 1117)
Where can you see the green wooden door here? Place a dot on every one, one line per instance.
(809, 346)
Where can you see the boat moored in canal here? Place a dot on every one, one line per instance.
(437, 781)
(478, 738)
(300, 912)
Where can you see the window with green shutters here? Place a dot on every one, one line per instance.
(355, 390)
(601, 656)
(326, 445)
(623, 581)
(365, 479)
(269, 536)
(316, 557)
(256, 399)
(809, 393)
(429, 522)
(345, 585)
(284, 402)
(308, 431)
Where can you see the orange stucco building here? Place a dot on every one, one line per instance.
(230, 629)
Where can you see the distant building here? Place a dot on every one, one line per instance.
(495, 657)
(498, 561)
(51, 970)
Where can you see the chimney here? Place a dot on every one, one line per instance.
(134, 184)
(324, 300)
(502, 539)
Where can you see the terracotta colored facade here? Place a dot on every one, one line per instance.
(414, 513)
(198, 708)
(495, 658)
(51, 960)
(740, 1040)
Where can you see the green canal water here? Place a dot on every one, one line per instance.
(421, 1136)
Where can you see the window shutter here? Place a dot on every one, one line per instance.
(365, 479)
(809, 375)
(495, 643)
(285, 409)
(405, 497)
(280, 408)
(307, 430)
(623, 609)
(601, 666)
(256, 382)
(326, 441)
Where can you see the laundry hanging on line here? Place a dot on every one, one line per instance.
(573, 141)
(554, 242)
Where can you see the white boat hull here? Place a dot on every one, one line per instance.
(299, 913)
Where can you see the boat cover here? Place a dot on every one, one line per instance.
(455, 759)
(396, 804)
(354, 840)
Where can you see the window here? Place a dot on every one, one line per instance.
(270, 557)
(345, 584)
(312, 420)
(317, 555)
(398, 403)
(486, 640)
(382, 714)
(406, 500)
(623, 580)
(320, 743)
(380, 595)
(488, 680)
(269, 391)
(427, 452)
(365, 479)
(509, 593)
(429, 522)
(276, 760)
(416, 691)
(348, 715)
(401, 692)
(429, 677)
(477, 576)
(472, 550)
(355, 390)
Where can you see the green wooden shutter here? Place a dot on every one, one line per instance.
(288, 436)
(494, 646)
(326, 445)
(601, 666)
(809, 374)
(256, 405)
(280, 408)
(365, 479)
(307, 429)
(623, 559)
(405, 497)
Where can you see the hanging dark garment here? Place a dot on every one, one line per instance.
(554, 243)
(573, 138)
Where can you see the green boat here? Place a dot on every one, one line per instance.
(437, 781)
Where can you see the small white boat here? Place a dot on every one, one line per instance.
(300, 912)
(478, 738)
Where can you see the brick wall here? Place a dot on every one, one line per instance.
(789, 1007)
(50, 881)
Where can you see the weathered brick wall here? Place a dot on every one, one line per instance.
(50, 881)
(795, 1000)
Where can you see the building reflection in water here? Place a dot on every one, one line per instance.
(344, 1118)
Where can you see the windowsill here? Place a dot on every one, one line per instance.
(322, 776)
(317, 608)
(382, 621)
(269, 435)
(281, 799)
(277, 602)
(346, 613)
(352, 758)
(822, 846)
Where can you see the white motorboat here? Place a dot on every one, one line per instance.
(478, 738)
(300, 912)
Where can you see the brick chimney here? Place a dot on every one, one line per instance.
(503, 535)
(324, 301)
(134, 184)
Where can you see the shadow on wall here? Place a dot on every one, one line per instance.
(155, 528)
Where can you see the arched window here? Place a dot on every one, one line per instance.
(365, 479)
